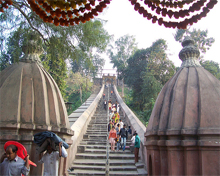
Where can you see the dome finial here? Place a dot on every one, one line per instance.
(190, 53)
(32, 48)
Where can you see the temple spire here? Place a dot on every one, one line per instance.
(32, 49)
(189, 54)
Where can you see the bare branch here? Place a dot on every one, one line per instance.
(17, 7)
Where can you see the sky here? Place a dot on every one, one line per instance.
(122, 19)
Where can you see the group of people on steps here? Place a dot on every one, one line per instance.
(118, 133)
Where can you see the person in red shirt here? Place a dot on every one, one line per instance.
(112, 137)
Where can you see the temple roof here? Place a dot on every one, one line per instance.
(30, 98)
(188, 104)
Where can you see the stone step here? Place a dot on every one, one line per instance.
(88, 167)
(139, 164)
(95, 140)
(99, 122)
(91, 156)
(127, 168)
(126, 151)
(123, 173)
(95, 150)
(96, 135)
(93, 146)
(98, 162)
(97, 131)
(87, 172)
(142, 172)
(121, 156)
(100, 125)
(104, 125)
(101, 116)
(117, 162)
(92, 143)
(98, 128)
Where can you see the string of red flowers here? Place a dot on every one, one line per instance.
(171, 4)
(182, 13)
(65, 17)
(4, 4)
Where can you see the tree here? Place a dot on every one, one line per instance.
(158, 63)
(147, 71)
(125, 46)
(137, 64)
(98, 63)
(60, 43)
(212, 67)
(202, 41)
(78, 89)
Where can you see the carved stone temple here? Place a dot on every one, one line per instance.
(183, 134)
(31, 102)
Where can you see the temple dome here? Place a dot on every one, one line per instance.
(183, 134)
(30, 98)
(189, 101)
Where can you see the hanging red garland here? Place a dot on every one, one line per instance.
(71, 12)
(60, 15)
(158, 7)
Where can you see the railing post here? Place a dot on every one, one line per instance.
(107, 143)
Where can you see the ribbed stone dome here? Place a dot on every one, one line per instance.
(189, 101)
(30, 98)
(183, 134)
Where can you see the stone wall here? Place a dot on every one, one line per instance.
(97, 81)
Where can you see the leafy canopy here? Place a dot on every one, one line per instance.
(123, 48)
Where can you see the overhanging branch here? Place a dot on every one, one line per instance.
(17, 7)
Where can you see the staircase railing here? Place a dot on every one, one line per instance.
(107, 142)
(81, 124)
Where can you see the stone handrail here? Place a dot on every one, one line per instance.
(135, 123)
(80, 126)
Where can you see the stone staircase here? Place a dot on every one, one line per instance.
(94, 156)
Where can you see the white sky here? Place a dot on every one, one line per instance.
(123, 19)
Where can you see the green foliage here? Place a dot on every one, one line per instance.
(212, 67)
(17, 45)
(147, 71)
(123, 48)
(57, 69)
(75, 43)
(79, 88)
